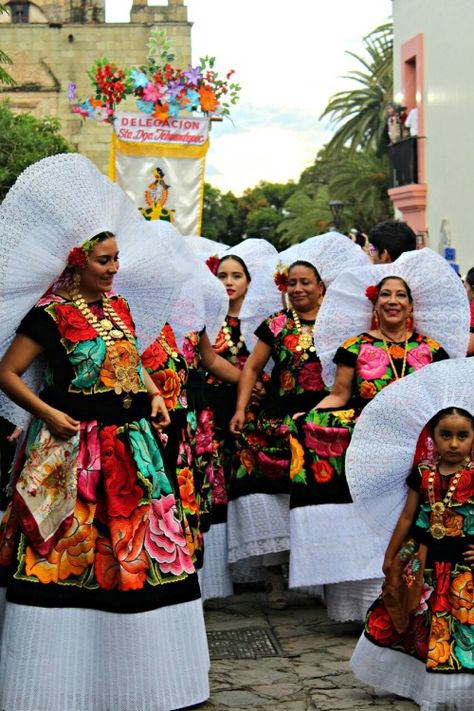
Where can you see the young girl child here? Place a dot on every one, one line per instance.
(419, 634)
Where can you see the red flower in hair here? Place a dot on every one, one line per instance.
(281, 280)
(213, 262)
(77, 257)
(372, 293)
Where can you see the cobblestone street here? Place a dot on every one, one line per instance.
(309, 668)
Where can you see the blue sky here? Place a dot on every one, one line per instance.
(289, 58)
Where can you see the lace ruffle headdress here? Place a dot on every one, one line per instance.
(59, 203)
(382, 449)
(440, 305)
(330, 254)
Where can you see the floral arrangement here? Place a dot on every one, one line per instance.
(372, 293)
(280, 277)
(161, 90)
(213, 262)
(77, 257)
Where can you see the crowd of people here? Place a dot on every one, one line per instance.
(207, 415)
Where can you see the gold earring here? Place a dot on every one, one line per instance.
(76, 279)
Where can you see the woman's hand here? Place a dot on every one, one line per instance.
(160, 417)
(14, 436)
(61, 425)
(237, 422)
(468, 554)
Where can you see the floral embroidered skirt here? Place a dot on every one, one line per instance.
(433, 661)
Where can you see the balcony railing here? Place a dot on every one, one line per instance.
(404, 162)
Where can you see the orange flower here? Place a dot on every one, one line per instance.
(453, 523)
(73, 553)
(124, 349)
(367, 390)
(396, 351)
(287, 381)
(323, 471)
(187, 491)
(247, 459)
(208, 98)
(461, 596)
(439, 646)
(121, 561)
(161, 112)
(297, 457)
(169, 385)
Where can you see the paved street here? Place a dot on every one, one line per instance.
(309, 668)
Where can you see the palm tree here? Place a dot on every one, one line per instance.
(362, 111)
(5, 77)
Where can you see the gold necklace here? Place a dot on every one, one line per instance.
(438, 508)
(127, 375)
(166, 346)
(404, 364)
(232, 347)
(305, 334)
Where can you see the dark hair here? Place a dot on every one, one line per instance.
(239, 260)
(393, 235)
(308, 265)
(469, 278)
(359, 237)
(449, 411)
(393, 276)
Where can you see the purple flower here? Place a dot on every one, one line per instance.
(174, 89)
(193, 75)
(71, 91)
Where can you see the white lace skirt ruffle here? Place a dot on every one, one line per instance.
(215, 577)
(331, 543)
(349, 602)
(73, 659)
(405, 676)
(257, 525)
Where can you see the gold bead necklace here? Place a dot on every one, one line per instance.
(128, 380)
(404, 364)
(232, 347)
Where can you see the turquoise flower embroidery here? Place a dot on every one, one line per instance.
(464, 644)
(147, 456)
(423, 520)
(468, 514)
(87, 359)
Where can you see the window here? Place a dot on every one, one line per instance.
(19, 11)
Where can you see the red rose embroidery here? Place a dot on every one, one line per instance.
(309, 377)
(323, 471)
(442, 583)
(326, 441)
(72, 325)
(122, 491)
(380, 626)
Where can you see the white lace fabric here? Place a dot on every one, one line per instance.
(382, 448)
(330, 254)
(440, 305)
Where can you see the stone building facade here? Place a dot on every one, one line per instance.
(55, 42)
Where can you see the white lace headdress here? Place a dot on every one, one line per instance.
(253, 251)
(380, 455)
(57, 204)
(330, 254)
(440, 305)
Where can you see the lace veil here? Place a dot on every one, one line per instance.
(380, 455)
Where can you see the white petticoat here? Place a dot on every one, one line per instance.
(407, 677)
(331, 543)
(257, 524)
(215, 577)
(349, 602)
(73, 659)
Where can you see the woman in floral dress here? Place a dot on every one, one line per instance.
(260, 482)
(102, 605)
(324, 526)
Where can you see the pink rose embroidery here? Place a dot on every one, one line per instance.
(164, 538)
(326, 441)
(277, 323)
(203, 437)
(309, 377)
(419, 356)
(372, 362)
(273, 468)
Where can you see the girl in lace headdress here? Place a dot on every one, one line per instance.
(92, 554)
(419, 634)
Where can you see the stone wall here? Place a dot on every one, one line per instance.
(48, 56)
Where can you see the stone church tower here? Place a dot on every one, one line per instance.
(55, 42)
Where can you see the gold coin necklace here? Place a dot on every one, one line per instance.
(110, 329)
(438, 508)
(305, 334)
(392, 364)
